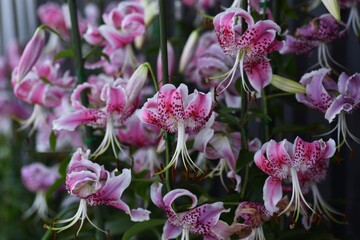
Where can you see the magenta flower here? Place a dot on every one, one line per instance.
(52, 15)
(309, 180)
(250, 48)
(208, 61)
(137, 133)
(38, 178)
(218, 143)
(202, 220)
(123, 24)
(95, 186)
(323, 94)
(120, 99)
(174, 110)
(44, 87)
(317, 33)
(320, 89)
(285, 161)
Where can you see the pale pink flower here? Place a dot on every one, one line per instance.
(38, 178)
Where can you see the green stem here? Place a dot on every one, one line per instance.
(81, 76)
(79, 62)
(244, 138)
(265, 112)
(165, 75)
(155, 82)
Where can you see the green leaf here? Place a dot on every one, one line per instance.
(96, 52)
(142, 226)
(67, 53)
(52, 141)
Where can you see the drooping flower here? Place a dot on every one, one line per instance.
(323, 94)
(120, 98)
(202, 220)
(254, 215)
(44, 87)
(347, 101)
(38, 178)
(285, 161)
(309, 181)
(218, 142)
(320, 89)
(176, 111)
(250, 47)
(95, 186)
(123, 24)
(354, 17)
(319, 32)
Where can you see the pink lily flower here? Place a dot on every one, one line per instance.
(285, 161)
(208, 61)
(51, 14)
(310, 179)
(120, 99)
(217, 143)
(95, 186)
(38, 178)
(137, 133)
(202, 220)
(250, 48)
(123, 24)
(174, 110)
(323, 94)
(317, 33)
(44, 87)
(254, 215)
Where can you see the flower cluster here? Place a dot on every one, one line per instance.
(208, 113)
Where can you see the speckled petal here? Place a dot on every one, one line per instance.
(272, 194)
(70, 121)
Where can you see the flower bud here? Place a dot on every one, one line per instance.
(136, 82)
(287, 85)
(333, 7)
(31, 53)
(189, 48)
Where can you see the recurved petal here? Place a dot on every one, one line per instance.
(76, 95)
(171, 101)
(115, 186)
(116, 38)
(170, 231)
(307, 154)
(349, 86)
(70, 121)
(156, 195)
(170, 197)
(198, 109)
(260, 36)
(202, 139)
(203, 218)
(259, 72)
(340, 103)
(115, 98)
(272, 194)
(278, 160)
(83, 183)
